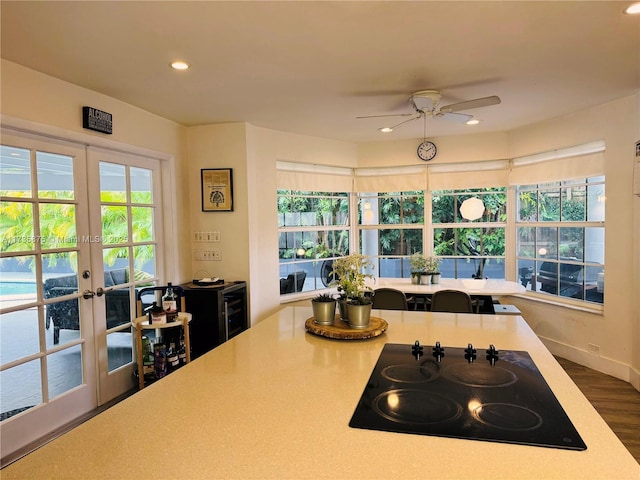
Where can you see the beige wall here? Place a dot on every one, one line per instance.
(264, 148)
(617, 331)
(451, 149)
(220, 146)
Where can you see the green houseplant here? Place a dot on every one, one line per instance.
(433, 268)
(350, 274)
(418, 268)
(324, 309)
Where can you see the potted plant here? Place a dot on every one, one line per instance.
(433, 268)
(324, 309)
(418, 268)
(355, 296)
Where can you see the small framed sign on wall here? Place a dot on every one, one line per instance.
(217, 189)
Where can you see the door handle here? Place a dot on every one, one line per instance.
(99, 292)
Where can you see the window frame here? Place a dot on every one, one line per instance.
(579, 284)
(317, 263)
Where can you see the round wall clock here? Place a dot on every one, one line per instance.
(427, 151)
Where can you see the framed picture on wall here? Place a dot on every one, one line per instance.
(217, 189)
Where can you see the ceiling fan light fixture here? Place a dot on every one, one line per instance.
(633, 9)
(473, 121)
(386, 129)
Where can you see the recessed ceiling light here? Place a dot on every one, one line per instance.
(386, 129)
(180, 65)
(634, 8)
(473, 121)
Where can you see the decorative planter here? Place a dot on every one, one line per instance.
(435, 278)
(359, 315)
(344, 312)
(425, 279)
(415, 278)
(323, 312)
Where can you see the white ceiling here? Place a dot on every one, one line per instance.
(312, 67)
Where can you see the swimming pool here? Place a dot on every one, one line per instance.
(17, 288)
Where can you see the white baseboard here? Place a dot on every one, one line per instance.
(596, 362)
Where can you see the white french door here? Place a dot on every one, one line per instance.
(80, 231)
(125, 220)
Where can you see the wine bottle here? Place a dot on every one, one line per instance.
(182, 351)
(172, 357)
(170, 303)
(160, 358)
(147, 359)
(157, 314)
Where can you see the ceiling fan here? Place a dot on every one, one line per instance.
(427, 103)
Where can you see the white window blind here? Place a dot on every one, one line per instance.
(314, 178)
(392, 179)
(457, 176)
(581, 161)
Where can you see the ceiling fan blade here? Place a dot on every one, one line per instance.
(388, 115)
(415, 117)
(469, 104)
(454, 117)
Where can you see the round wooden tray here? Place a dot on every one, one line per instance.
(342, 331)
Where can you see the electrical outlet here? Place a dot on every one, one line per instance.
(216, 255)
(595, 349)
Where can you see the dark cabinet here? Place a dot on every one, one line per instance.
(219, 312)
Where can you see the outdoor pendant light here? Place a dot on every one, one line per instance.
(472, 208)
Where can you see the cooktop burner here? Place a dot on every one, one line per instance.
(497, 396)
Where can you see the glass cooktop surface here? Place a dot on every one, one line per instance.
(488, 395)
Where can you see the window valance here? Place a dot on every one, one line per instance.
(314, 178)
(581, 161)
(454, 176)
(391, 179)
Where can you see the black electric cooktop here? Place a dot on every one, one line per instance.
(483, 394)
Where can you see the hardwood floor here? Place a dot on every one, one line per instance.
(617, 402)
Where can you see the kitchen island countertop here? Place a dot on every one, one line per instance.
(275, 402)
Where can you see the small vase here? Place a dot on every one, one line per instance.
(415, 278)
(323, 312)
(425, 279)
(359, 315)
(435, 278)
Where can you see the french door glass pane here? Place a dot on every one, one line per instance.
(115, 221)
(15, 169)
(21, 387)
(65, 370)
(144, 261)
(18, 281)
(141, 185)
(19, 335)
(142, 227)
(113, 183)
(55, 176)
(16, 223)
(119, 348)
(57, 225)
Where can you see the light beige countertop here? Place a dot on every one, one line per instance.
(275, 402)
